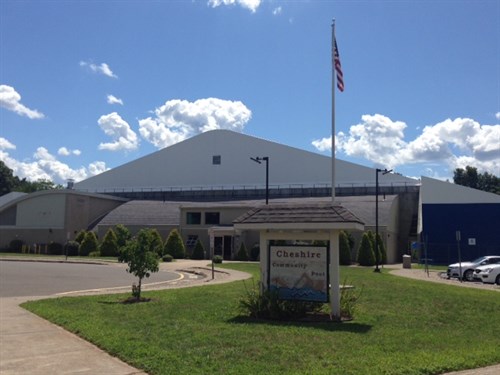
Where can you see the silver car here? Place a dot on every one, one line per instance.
(489, 274)
(465, 270)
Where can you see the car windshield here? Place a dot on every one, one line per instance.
(479, 260)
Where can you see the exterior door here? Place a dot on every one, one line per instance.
(228, 247)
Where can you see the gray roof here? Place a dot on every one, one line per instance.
(298, 213)
(144, 213)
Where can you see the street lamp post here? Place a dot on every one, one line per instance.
(259, 160)
(377, 260)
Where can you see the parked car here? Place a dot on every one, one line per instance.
(489, 273)
(469, 267)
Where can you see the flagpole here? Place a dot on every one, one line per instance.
(333, 111)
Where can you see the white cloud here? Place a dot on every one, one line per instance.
(455, 143)
(63, 151)
(114, 100)
(45, 165)
(497, 115)
(6, 145)
(103, 68)
(277, 11)
(251, 5)
(177, 119)
(11, 100)
(124, 138)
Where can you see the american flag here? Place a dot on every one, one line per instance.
(338, 67)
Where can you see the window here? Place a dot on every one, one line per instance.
(212, 218)
(193, 218)
(191, 240)
(216, 160)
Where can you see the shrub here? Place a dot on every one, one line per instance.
(88, 245)
(174, 245)
(366, 256)
(122, 235)
(167, 258)
(255, 252)
(199, 251)
(55, 248)
(80, 236)
(71, 248)
(16, 246)
(242, 253)
(95, 254)
(344, 249)
(217, 259)
(109, 245)
(348, 300)
(156, 242)
(381, 250)
(266, 305)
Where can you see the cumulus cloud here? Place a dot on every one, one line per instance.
(63, 151)
(251, 5)
(497, 115)
(111, 99)
(456, 143)
(11, 100)
(177, 119)
(103, 68)
(44, 165)
(124, 138)
(6, 145)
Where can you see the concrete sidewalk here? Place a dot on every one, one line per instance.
(32, 345)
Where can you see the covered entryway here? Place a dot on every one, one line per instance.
(222, 242)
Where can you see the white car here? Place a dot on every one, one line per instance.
(468, 268)
(488, 274)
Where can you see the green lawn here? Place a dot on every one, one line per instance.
(402, 326)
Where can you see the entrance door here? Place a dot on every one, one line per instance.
(228, 247)
(218, 246)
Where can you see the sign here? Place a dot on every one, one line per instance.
(299, 272)
(472, 241)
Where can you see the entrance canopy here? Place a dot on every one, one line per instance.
(311, 221)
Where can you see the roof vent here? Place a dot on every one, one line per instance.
(71, 184)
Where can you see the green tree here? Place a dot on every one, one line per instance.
(122, 235)
(174, 245)
(156, 242)
(366, 256)
(344, 249)
(471, 178)
(199, 251)
(88, 245)
(242, 254)
(109, 245)
(141, 258)
(381, 250)
(8, 181)
(80, 236)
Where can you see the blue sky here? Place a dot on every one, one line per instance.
(89, 85)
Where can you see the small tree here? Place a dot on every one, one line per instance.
(242, 253)
(382, 251)
(141, 258)
(174, 245)
(122, 235)
(199, 251)
(366, 257)
(88, 245)
(344, 249)
(109, 245)
(156, 242)
(80, 236)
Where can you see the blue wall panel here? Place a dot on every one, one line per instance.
(474, 221)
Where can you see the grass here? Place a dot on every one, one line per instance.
(402, 326)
